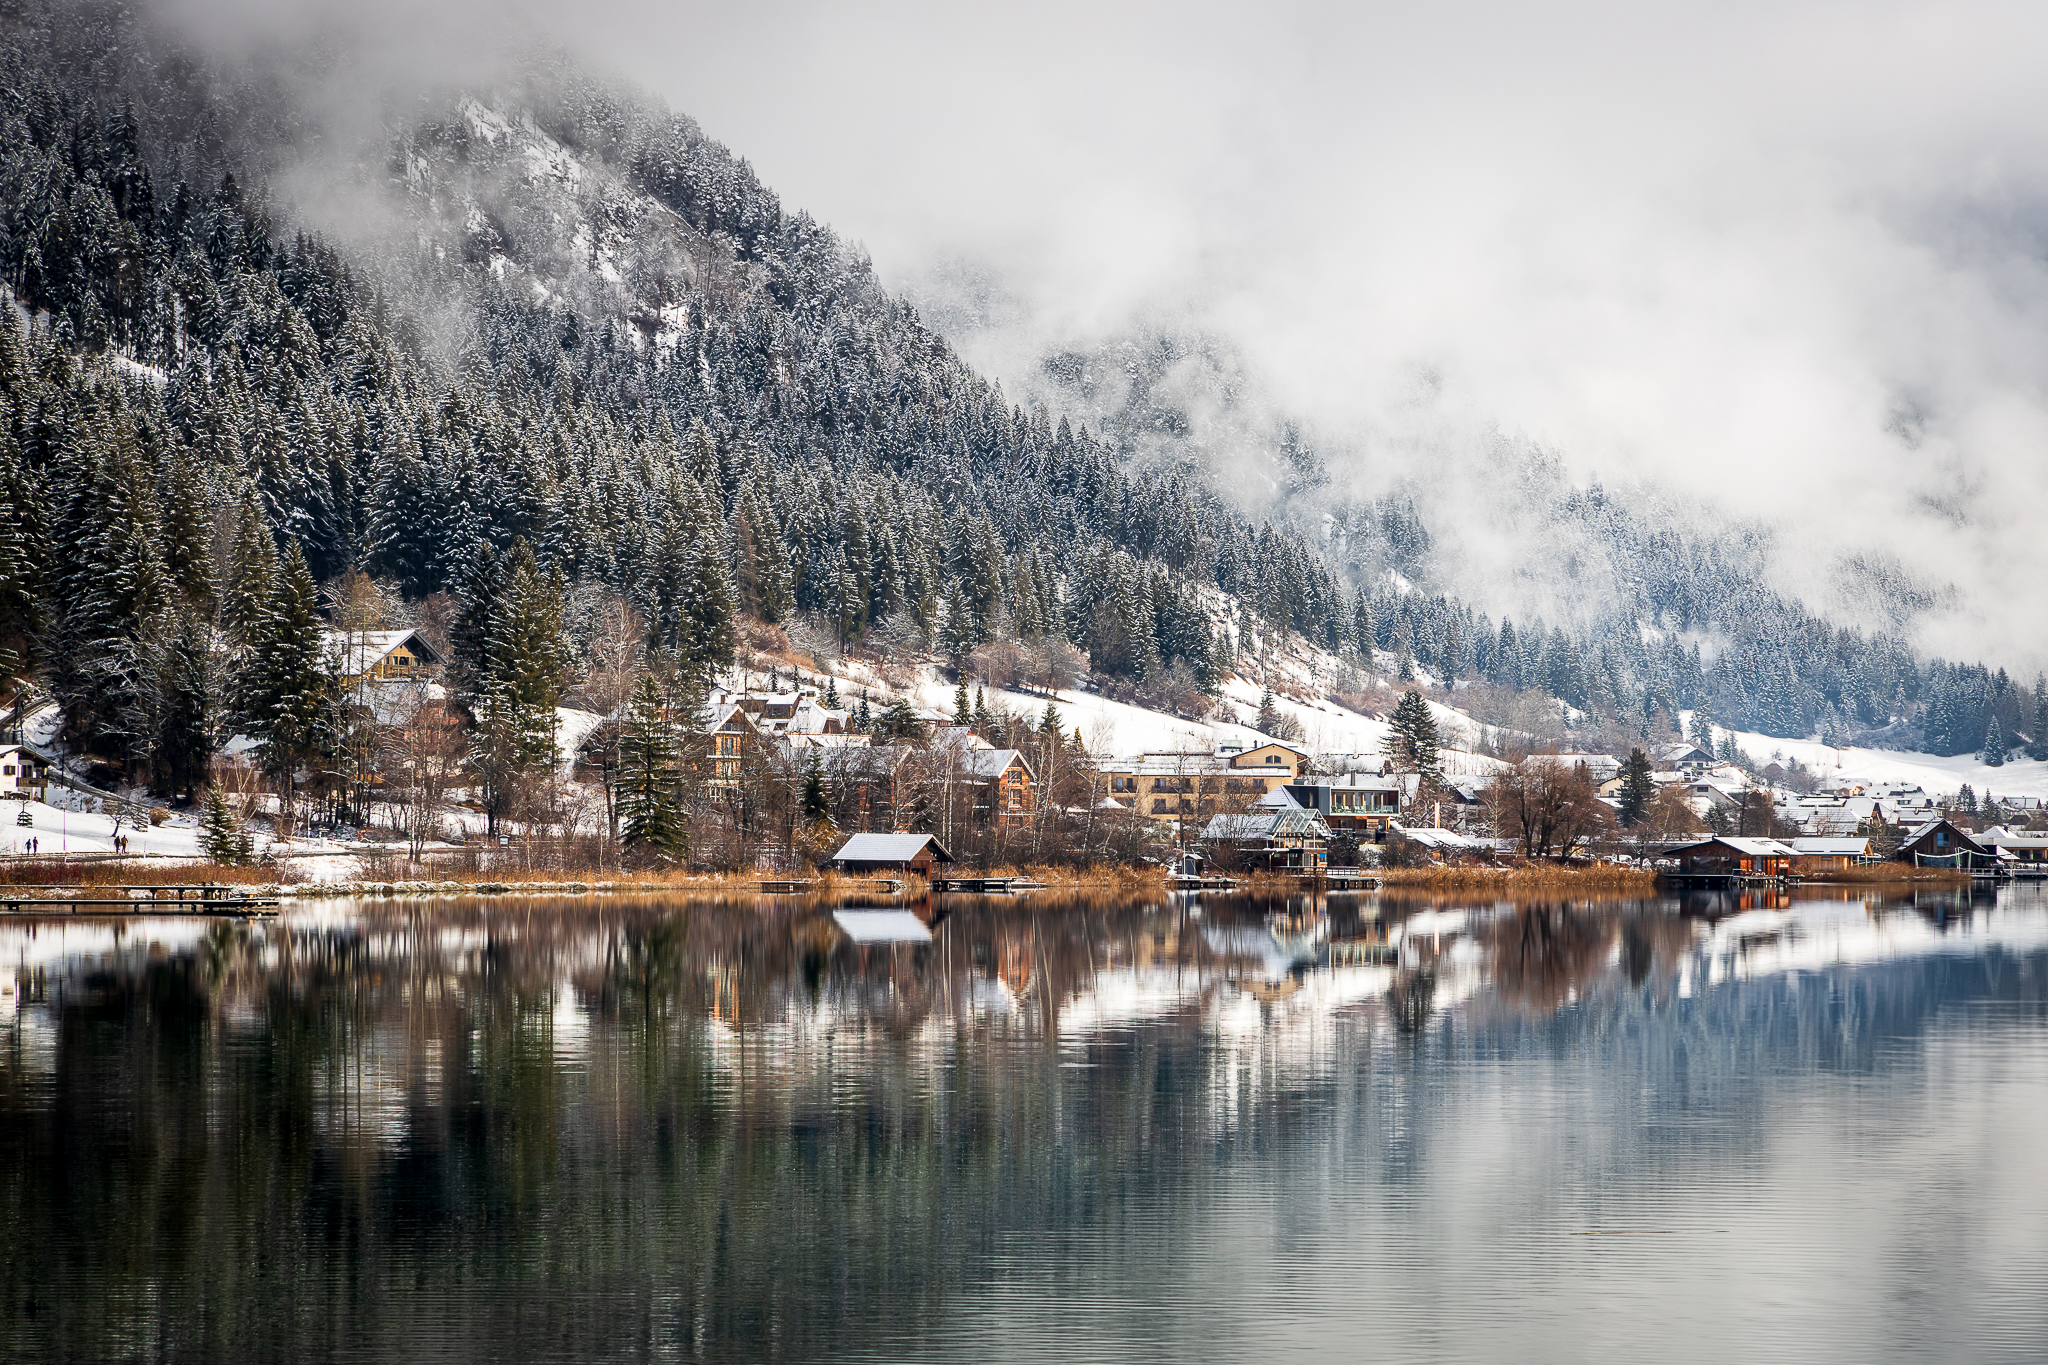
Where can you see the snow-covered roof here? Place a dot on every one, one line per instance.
(889, 848)
(1832, 847)
(1265, 824)
(1444, 839)
(991, 763)
(1754, 848)
(363, 650)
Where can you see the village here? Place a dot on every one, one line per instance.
(786, 775)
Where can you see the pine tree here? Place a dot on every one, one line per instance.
(1637, 790)
(221, 837)
(1415, 737)
(900, 721)
(650, 806)
(288, 685)
(1268, 721)
(2039, 748)
(1966, 800)
(509, 659)
(1995, 747)
(962, 717)
(817, 805)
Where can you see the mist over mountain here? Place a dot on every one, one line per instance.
(515, 332)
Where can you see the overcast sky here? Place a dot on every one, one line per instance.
(1787, 255)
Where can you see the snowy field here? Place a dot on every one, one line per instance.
(60, 831)
(1117, 728)
(2019, 777)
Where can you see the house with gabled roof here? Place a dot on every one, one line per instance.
(383, 656)
(1943, 843)
(902, 853)
(1276, 833)
(1729, 856)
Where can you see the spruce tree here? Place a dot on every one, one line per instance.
(1268, 719)
(1637, 790)
(817, 804)
(1415, 738)
(962, 717)
(288, 685)
(1995, 748)
(221, 837)
(650, 805)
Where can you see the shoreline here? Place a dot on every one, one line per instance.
(265, 880)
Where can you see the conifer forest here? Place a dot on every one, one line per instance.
(580, 365)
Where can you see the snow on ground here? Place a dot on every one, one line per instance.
(1118, 728)
(2019, 777)
(59, 831)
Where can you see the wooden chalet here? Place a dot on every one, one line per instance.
(1943, 843)
(1733, 859)
(1003, 780)
(901, 853)
(384, 656)
(1818, 854)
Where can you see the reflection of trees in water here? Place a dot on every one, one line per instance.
(1409, 999)
(1541, 956)
(726, 1125)
(442, 1123)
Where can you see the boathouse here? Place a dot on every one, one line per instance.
(919, 853)
(1829, 854)
(1942, 843)
(1730, 857)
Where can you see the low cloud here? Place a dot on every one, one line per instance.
(1783, 260)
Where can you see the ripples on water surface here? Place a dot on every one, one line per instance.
(1074, 1130)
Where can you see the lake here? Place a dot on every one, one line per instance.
(1359, 1128)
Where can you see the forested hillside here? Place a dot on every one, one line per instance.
(584, 355)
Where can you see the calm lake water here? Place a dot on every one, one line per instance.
(1359, 1129)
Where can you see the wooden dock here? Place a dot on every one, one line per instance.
(986, 886)
(1180, 882)
(200, 898)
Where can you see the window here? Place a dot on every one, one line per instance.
(7, 770)
(1272, 758)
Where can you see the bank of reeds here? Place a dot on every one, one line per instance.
(80, 872)
(1888, 874)
(1549, 877)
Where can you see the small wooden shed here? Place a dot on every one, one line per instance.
(919, 853)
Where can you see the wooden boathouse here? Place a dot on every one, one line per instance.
(1728, 860)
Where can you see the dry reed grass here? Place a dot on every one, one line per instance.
(77, 872)
(1888, 874)
(1520, 877)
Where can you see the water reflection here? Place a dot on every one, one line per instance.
(1083, 1128)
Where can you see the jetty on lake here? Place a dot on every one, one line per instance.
(212, 899)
